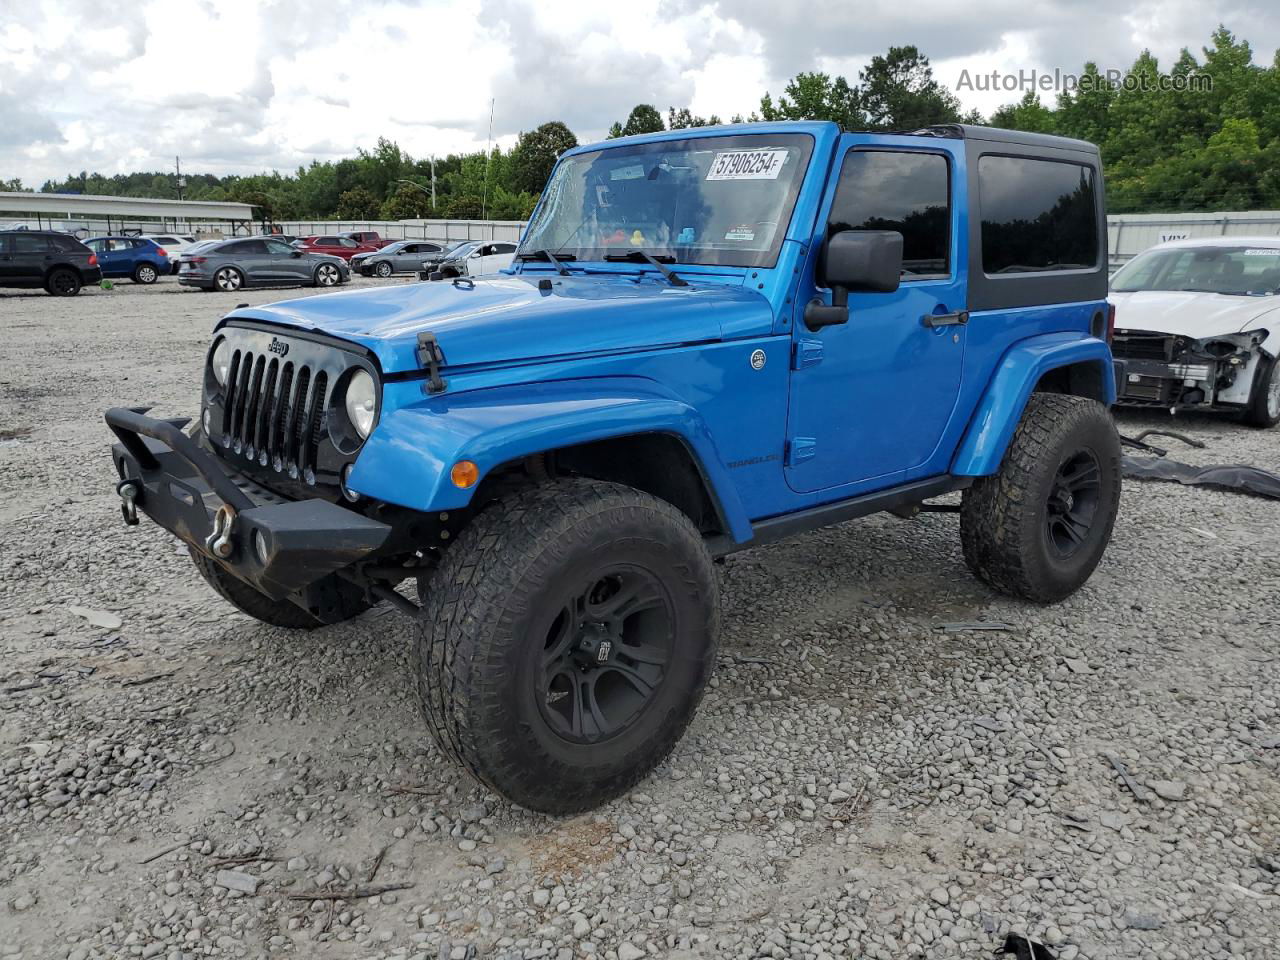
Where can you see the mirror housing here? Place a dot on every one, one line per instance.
(861, 261)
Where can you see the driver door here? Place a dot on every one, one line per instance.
(870, 398)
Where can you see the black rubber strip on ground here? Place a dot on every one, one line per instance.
(1238, 477)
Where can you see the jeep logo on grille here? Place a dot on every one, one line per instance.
(278, 346)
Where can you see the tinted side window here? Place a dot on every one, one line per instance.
(67, 244)
(251, 247)
(327, 242)
(4, 245)
(23, 243)
(906, 192)
(1037, 215)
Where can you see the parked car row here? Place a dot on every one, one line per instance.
(62, 264)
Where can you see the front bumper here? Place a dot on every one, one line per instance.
(278, 546)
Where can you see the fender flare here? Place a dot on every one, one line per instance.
(1020, 369)
(408, 457)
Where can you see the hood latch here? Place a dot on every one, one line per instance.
(432, 357)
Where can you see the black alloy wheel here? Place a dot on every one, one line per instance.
(1073, 502)
(606, 654)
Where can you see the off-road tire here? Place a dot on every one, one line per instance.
(482, 640)
(146, 274)
(1004, 525)
(62, 282)
(1264, 406)
(277, 613)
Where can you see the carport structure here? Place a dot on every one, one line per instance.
(106, 215)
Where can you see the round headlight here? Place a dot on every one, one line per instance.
(362, 402)
(221, 362)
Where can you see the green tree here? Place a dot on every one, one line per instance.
(407, 203)
(357, 204)
(12, 186)
(816, 96)
(644, 118)
(898, 92)
(535, 154)
(1027, 114)
(684, 118)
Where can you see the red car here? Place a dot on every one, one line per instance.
(368, 237)
(336, 246)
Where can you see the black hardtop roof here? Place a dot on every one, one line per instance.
(970, 131)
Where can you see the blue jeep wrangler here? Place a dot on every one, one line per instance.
(710, 339)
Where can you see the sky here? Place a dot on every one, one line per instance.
(242, 86)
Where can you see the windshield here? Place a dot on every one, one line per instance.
(710, 200)
(463, 249)
(1235, 271)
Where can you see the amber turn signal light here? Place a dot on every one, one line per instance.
(464, 474)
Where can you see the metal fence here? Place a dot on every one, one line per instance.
(413, 229)
(1128, 234)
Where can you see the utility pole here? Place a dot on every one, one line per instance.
(433, 183)
(488, 155)
(177, 165)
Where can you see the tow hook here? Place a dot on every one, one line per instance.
(219, 542)
(129, 491)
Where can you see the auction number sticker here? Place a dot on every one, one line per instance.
(747, 165)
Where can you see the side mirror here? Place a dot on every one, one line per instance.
(862, 261)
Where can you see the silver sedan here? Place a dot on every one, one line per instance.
(403, 256)
(229, 265)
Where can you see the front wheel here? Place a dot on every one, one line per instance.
(145, 273)
(1264, 407)
(327, 275)
(565, 641)
(383, 269)
(1039, 526)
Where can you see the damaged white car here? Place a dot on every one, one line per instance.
(1198, 327)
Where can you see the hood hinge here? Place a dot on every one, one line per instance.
(800, 449)
(806, 352)
(432, 357)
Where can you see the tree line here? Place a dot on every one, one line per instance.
(1202, 135)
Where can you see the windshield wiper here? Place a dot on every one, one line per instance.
(549, 257)
(640, 256)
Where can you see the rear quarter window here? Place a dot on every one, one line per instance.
(1037, 215)
(68, 245)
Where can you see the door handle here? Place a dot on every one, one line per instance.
(957, 319)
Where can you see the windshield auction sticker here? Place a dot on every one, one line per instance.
(747, 165)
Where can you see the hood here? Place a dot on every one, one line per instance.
(507, 318)
(1193, 315)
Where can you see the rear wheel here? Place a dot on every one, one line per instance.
(383, 269)
(1264, 408)
(327, 275)
(228, 279)
(1038, 527)
(63, 282)
(565, 641)
(145, 273)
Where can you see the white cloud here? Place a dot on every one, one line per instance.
(246, 85)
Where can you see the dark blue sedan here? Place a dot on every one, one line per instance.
(137, 258)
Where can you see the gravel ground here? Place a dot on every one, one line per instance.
(860, 781)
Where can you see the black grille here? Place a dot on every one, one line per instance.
(274, 412)
(1143, 347)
